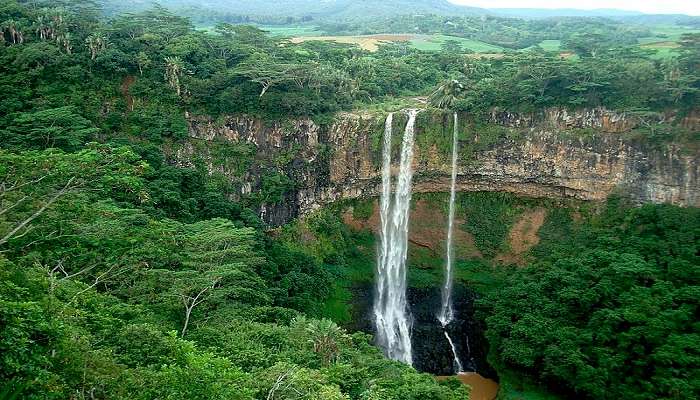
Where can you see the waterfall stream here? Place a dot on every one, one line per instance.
(446, 311)
(446, 314)
(457, 363)
(390, 307)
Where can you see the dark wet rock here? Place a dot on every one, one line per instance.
(431, 350)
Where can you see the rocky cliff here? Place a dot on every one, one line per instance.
(586, 155)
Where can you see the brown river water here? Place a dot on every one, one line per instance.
(482, 388)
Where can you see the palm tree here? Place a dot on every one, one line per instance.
(96, 43)
(325, 337)
(57, 25)
(42, 27)
(173, 69)
(64, 40)
(14, 31)
(447, 93)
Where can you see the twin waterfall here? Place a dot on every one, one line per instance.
(391, 314)
(390, 307)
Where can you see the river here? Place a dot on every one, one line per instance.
(481, 388)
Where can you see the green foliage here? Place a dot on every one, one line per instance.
(488, 217)
(363, 209)
(509, 33)
(481, 137)
(59, 127)
(435, 130)
(446, 94)
(274, 186)
(34, 183)
(60, 335)
(123, 276)
(614, 306)
(453, 44)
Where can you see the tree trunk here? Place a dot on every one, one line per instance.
(188, 312)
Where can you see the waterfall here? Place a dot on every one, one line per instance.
(446, 312)
(384, 237)
(390, 306)
(457, 363)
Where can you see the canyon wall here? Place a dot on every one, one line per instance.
(586, 155)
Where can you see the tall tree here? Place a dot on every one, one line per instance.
(447, 93)
(174, 68)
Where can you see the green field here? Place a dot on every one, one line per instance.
(664, 40)
(277, 30)
(435, 42)
(669, 32)
(546, 45)
(288, 31)
(661, 52)
(550, 45)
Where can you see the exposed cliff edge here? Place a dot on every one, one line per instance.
(585, 155)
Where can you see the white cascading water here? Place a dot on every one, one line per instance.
(446, 314)
(384, 237)
(457, 363)
(390, 306)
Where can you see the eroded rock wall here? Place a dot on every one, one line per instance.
(543, 155)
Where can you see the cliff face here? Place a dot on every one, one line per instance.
(585, 155)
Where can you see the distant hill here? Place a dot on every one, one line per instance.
(344, 10)
(562, 12)
(661, 19)
(331, 9)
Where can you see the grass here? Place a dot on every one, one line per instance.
(289, 31)
(664, 53)
(435, 42)
(550, 45)
(276, 30)
(370, 43)
(672, 32)
(664, 40)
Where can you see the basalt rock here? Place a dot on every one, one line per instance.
(431, 350)
(556, 153)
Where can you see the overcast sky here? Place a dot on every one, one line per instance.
(691, 7)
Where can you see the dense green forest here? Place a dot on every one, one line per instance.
(125, 276)
(607, 307)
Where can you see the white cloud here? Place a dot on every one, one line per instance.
(691, 7)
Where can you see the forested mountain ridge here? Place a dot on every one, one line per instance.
(317, 9)
(137, 259)
(564, 12)
(337, 9)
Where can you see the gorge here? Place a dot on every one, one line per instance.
(370, 200)
(585, 155)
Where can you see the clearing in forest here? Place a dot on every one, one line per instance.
(421, 42)
(367, 42)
